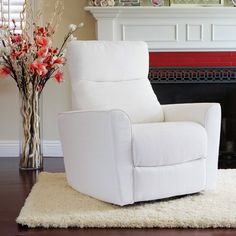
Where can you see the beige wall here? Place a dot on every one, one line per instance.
(56, 97)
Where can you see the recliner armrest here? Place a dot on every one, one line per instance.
(196, 112)
(209, 116)
(98, 142)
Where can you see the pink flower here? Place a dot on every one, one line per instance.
(59, 60)
(16, 38)
(25, 47)
(59, 76)
(15, 54)
(41, 30)
(53, 50)
(48, 60)
(42, 41)
(5, 71)
(38, 67)
(42, 52)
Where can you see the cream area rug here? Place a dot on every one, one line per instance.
(52, 203)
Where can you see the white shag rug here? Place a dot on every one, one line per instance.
(52, 203)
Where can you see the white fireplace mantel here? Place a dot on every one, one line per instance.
(169, 28)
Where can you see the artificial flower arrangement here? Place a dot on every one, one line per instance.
(31, 60)
(101, 3)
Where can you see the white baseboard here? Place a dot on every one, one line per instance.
(11, 148)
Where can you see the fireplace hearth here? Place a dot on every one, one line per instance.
(202, 84)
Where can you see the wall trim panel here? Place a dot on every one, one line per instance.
(10, 148)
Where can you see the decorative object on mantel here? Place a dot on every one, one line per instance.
(234, 2)
(157, 2)
(101, 3)
(31, 60)
(129, 2)
(52, 203)
(197, 3)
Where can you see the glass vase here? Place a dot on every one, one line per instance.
(31, 156)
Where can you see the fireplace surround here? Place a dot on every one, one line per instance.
(169, 28)
(192, 56)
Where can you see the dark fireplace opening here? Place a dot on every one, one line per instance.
(202, 84)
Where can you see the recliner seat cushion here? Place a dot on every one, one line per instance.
(168, 143)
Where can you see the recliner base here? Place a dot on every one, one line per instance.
(160, 182)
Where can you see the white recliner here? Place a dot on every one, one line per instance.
(120, 145)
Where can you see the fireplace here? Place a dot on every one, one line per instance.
(180, 77)
(192, 55)
(185, 84)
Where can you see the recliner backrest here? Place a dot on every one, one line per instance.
(113, 75)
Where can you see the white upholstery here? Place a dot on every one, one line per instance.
(101, 61)
(97, 152)
(168, 181)
(122, 146)
(104, 76)
(168, 143)
(209, 116)
(93, 96)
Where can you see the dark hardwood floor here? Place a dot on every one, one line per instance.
(15, 185)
